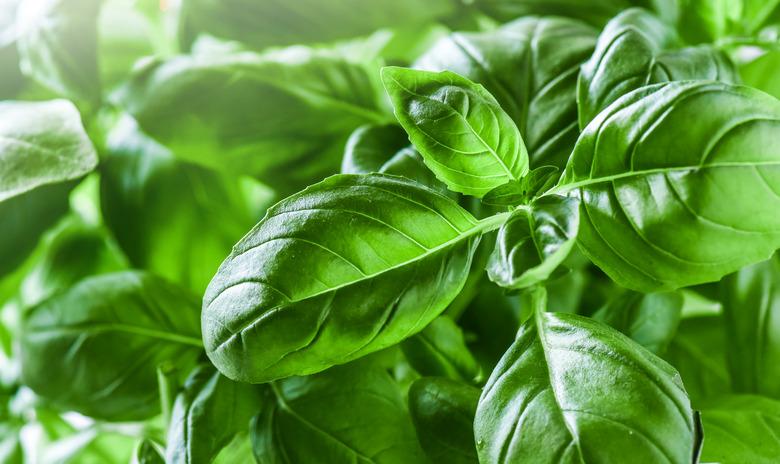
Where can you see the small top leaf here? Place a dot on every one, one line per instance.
(522, 191)
(465, 137)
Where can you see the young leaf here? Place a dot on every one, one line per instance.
(668, 204)
(104, 338)
(348, 266)
(350, 413)
(741, 428)
(519, 192)
(43, 151)
(572, 390)
(147, 453)
(636, 49)
(751, 309)
(443, 414)
(207, 415)
(464, 136)
(440, 350)
(530, 65)
(534, 241)
(371, 146)
(649, 319)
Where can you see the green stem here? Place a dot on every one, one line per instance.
(538, 299)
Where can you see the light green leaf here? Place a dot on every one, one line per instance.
(349, 266)
(751, 310)
(534, 241)
(572, 390)
(637, 49)
(208, 413)
(154, 203)
(371, 146)
(761, 73)
(440, 350)
(44, 150)
(104, 338)
(530, 65)
(649, 319)
(443, 414)
(464, 136)
(668, 204)
(350, 413)
(740, 429)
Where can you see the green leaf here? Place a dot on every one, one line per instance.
(649, 319)
(667, 204)
(530, 65)
(443, 414)
(349, 266)
(572, 390)
(519, 192)
(44, 150)
(350, 413)
(371, 146)
(153, 203)
(57, 41)
(440, 350)
(278, 22)
(594, 12)
(147, 453)
(208, 413)
(741, 428)
(247, 113)
(751, 310)
(761, 73)
(408, 163)
(10, 445)
(11, 79)
(464, 136)
(636, 49)
(698, 352)
(534, 241)
(104, 338)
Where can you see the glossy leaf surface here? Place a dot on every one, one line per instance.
(337, 271)
(465, 137)
(539, 404)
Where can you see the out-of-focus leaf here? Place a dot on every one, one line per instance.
(440, 351)
(371, 146)
(762, 73)
(741, 429)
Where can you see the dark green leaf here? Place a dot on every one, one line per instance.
(751, 309)
(649, 319)
(440, 350)
(531, 67)
(666, 203)
(57, 42)
(519, 192)
(410, 164)
(43, 152)
(636, 49)
(534, 241)
(348, 266)
(443, 414)
(464, 136)
(350, 413)
(176, 219)
(371, 146)
(210, 411)
(741, 429)
(572, 390)
(104, 338)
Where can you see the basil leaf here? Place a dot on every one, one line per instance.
(751, 309)
(44, 150)
(440, 350)
(408, 163)
(12, 80)
(443, 414)
(464, 136)
(244, 113)
(57, 43)
(697, 351)
(595, 12)
(741, 428)
(207, 414)
(278, 22)
(382, 258)
(539, 404)
(760, 73)
(649, 319)
(519, 192)
(350, 413)
(534, 241)
(718, 190)
(530, 65)
(103, 338)
(371, 146)
(632, 52)
(147, 453)
(153, 202)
